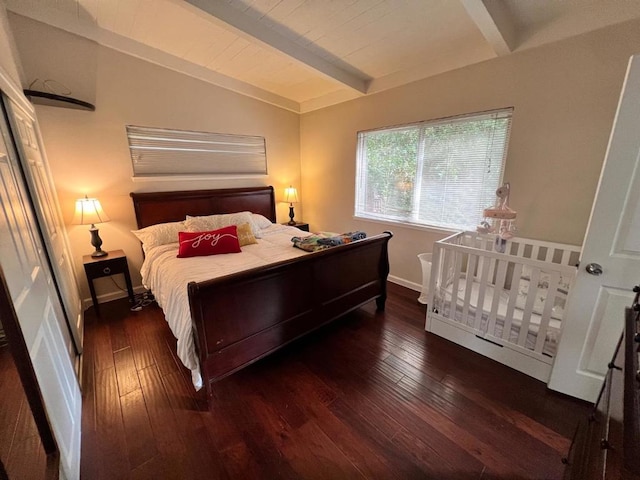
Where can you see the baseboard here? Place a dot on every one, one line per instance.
(108, 297)
(405, 283)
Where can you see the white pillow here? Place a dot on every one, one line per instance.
(159, 234)
(261, 221)
(214, 222)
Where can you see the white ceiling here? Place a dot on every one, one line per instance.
(307, 54)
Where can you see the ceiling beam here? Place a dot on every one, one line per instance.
(494, 24)
(247, 25)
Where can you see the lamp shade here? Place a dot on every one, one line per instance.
(291, 195)
(88, 212)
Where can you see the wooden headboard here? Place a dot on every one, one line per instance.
(162, 207)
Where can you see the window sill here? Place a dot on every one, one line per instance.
(406, 224)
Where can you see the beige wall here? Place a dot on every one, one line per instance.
(88, 151)
(565, 96)
(8, 51)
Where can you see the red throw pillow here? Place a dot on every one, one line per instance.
(194, 244)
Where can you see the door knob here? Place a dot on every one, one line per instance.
(593, 269)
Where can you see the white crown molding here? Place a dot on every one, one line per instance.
(332, 98)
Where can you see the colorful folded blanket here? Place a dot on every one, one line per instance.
(342, 238)
(316, 242)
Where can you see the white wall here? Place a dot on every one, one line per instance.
(88, 151)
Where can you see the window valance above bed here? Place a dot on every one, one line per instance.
(161, 152)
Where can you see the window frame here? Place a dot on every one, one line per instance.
(411, 222)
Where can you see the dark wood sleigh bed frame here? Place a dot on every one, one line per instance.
(243, 317)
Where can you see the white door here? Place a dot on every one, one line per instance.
(45, 201)
(38, 307)
(595, 307)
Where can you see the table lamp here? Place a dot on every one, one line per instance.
(89, 212)
(291, 196)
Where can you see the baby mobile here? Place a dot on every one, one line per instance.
(499, 219)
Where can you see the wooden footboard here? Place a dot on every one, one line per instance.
(240, 318)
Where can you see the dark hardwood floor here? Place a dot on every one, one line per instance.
(22, 455)
(370, 396)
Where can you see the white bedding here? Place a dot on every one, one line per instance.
(167, 277)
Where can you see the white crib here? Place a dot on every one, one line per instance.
(509, 297)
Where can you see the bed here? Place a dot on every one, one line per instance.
(237, 318)
(504, 299)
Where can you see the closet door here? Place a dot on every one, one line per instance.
(45, 201)
(37, 305)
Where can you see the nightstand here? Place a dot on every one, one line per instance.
(300, 225)
(115, 262)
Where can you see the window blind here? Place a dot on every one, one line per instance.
(166, 152)
(440, 173)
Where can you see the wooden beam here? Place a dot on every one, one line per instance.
(253, 28)
(494, 24)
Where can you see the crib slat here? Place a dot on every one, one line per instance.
(481, 289)
(469, 240)
(554, 281)
(446, 275)
(513, 297)
(488, 244)
(498, 287)
(434, 280)
(535, 250)
(492, 269)
(508, 247)
(566, 256)
(528, 308)
(451, 276)
(481, 245)
(457, 267)
(478, 242)
(472, 263)
(549, 256)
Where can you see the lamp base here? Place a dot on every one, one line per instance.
(96, 241)
(291, 215)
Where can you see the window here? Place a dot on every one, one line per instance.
(439, 173)
(157, 152)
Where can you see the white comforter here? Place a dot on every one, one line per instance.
(167, 277)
